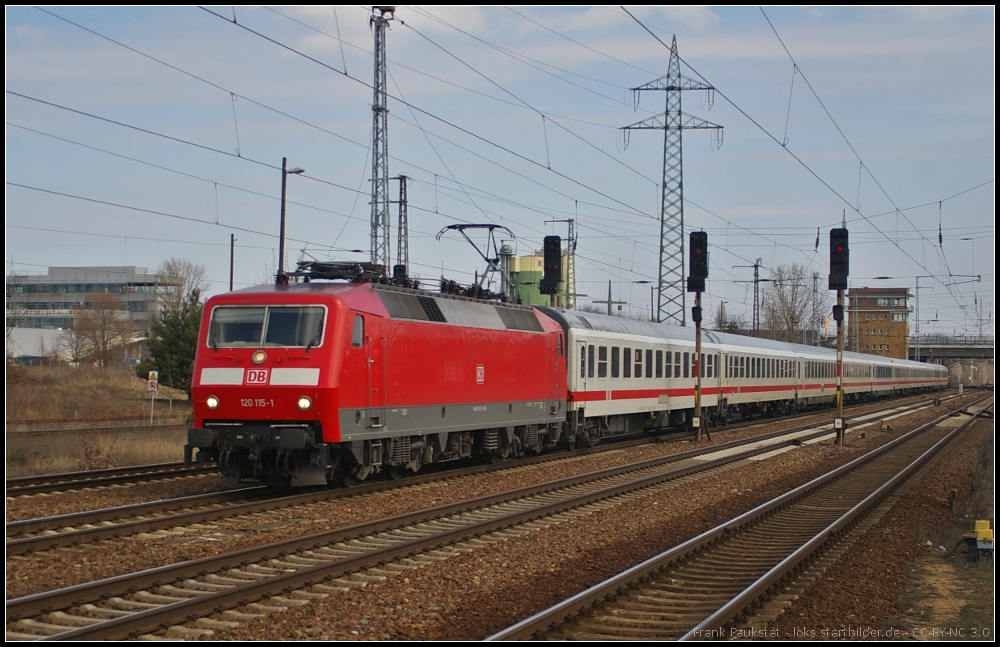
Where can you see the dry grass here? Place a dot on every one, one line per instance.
(62, 394)
(30, 453)
(63, 397)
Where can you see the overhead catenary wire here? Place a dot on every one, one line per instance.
(799, 160)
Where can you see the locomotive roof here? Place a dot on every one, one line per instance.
(403, 303)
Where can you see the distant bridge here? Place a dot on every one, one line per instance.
(935, 348)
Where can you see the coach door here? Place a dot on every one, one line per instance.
(377, 352)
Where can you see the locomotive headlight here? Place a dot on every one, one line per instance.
(258, 357)
(304, 403)
(212, 402)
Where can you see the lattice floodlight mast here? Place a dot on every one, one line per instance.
(380, 143)
(672, 280)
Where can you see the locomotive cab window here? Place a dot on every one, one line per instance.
(255, 326)
(358, 333)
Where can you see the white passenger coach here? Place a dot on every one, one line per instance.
(628, 376)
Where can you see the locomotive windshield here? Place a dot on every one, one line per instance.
(253, 326)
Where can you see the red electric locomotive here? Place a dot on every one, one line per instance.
(315, 382)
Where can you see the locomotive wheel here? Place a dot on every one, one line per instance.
(395, 473)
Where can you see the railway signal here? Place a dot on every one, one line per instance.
(839, 259)
(697, 273)
(839, 269)
(698, 262)
(552, 265)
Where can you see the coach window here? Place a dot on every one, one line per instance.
(627, 362)
(602, 361)
(649, 363)
(615, 361)
(659, 364)
(358, 334)
(583, 361)
(677, 364)
(686, 359)
(590, 360)
(638, 363)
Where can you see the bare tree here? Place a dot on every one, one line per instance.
(787, 302)
(103, 327)
(73, 344)
(176, 279)
(731, 322)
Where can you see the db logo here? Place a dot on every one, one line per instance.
(480, 374)
(256, 376)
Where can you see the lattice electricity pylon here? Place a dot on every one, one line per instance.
(671, 284)
(380, 143)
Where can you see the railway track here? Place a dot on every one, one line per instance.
(257, 580)
(68, 481)
(70, 529)
(74, 481)
(703, 587)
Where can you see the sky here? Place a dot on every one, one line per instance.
(135, 135)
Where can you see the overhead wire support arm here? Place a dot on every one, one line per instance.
(492, 263)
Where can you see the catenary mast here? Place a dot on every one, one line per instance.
(380, 143)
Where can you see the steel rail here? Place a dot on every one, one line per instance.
(725, 615)
(177, 612)
(97, 478)
(43, 542)
(585, 600)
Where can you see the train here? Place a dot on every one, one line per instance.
(322, 382)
